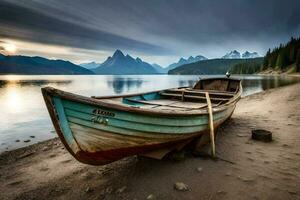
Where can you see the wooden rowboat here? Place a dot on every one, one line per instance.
(100, 130)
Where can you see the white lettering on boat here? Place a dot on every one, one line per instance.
(103, 112)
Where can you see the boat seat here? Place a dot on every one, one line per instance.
(170, 104)
(192, 96)
(211, 92)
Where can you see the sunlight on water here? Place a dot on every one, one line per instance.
(23, 112)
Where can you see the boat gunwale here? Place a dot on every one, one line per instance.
(97, 102)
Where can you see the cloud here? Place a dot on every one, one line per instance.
(27, 24)
(153, 28)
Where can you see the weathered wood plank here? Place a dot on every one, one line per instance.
(211, 125)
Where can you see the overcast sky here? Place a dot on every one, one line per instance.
(158, 31)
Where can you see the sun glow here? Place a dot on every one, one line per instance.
(9, 47)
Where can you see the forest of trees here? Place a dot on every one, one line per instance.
(249, 67)
(283, 56)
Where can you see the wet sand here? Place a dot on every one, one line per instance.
(246, 169)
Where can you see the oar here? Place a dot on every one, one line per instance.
(211, 125)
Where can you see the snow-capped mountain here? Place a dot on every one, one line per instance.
(232, 55)
(183, 61)
(248, 54)
(236, 55)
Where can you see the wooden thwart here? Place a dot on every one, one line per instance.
(191, 96)
(211, 125)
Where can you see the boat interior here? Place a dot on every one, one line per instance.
(220, 91)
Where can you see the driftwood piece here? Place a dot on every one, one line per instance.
(261, 135)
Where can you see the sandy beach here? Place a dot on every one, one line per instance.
(246, 169)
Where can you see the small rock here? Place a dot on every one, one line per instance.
(32, 136)
(199, 169)
(26, 155)
(17, 140)
(221, 192)
(292, 192)
(150, 197)
(108, 190)
(285, 145)
(122, 189)
(26, 141)
(241, 135)
(45, 148)
(245, 179)
(261, 135)
(88, 189)
(180, 186)
(228, 174)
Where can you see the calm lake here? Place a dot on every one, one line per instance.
(24, 116)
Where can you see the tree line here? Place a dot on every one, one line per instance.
(247, 67)
(280, 58)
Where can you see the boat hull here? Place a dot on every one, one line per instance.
(97, 135)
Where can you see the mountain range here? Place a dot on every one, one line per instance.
(117, 64)
(212, 66)
(90, 65)
(183, 61)
(236, 55)
(120, 64)
(38, 65)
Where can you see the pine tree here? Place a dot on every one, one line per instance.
(298, 60)
(266, 60)
(279, 62)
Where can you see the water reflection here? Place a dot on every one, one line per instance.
(39, 83)
(124, 84)
(23, 112)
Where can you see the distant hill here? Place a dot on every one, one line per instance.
(283, 58)
(38, 65)
(212, 66)
(236, 55)
(183, 61)
(159, 68)
(90, 65)
(120, 64)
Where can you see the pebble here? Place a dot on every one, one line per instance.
(180, 186)
(108, 190)
(150, 197)
(88, 189)
(199, 169)
(122, 189)
(241, 135)
(228, 174)
(245, 179)
(26, 155)
(221, 192)
(292, 192)
(45, 148)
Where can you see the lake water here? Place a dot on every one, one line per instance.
(23, 112)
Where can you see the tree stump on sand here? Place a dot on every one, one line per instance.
(261, 135)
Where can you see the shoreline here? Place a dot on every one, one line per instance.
(256, 170)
